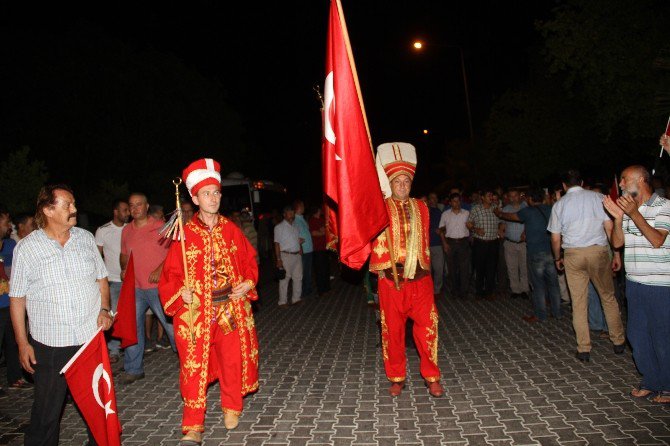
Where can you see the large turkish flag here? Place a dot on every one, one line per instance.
(357, 210)
(89, 377)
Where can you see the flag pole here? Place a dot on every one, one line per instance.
(350, 56)
(667, 132)
(187, 282)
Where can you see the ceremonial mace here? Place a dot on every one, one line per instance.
(174, 229)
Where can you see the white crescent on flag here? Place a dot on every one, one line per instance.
(101, 373)
(329, 111)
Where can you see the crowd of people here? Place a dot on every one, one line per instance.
(569, 245)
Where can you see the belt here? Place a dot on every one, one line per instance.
(292, 253)
(419, 274)
(220, 296)
(456, 239)
(512, 241)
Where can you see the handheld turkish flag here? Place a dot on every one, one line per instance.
(357, 212)
(125, 324)
(614, 190)
(89, 378)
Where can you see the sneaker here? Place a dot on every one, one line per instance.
(163, 344)
(21, 384)
(149, 347)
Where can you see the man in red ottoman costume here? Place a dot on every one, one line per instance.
(410, 254)
(214, 325)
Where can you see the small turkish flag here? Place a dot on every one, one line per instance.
(89, 378)
(125, 323)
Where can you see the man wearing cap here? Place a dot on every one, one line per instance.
(214, 325)
(405, 245)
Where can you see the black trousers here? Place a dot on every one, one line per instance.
(9, 347)
(50, 394)
(322, 271)
(485, 256)
(458, 265)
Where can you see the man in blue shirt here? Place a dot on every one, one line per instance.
(7, 341)
(543, 274)
(307, 247)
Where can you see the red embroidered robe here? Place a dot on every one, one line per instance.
(226, 252)
(409, 238)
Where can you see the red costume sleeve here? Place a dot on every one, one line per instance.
(172, 281)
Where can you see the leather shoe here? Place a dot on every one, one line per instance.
(192, 438)
(584, 356)
(619, 349)
(230, 420)
(396, 388)
(435, 389)
(129, 378)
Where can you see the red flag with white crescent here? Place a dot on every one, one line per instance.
(356, 205)
(89, 378)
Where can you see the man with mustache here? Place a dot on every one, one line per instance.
(59, 277)
(404, 249)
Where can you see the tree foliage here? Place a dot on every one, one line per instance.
(594, 94)
(606, 49)
(94, 107)
(20, 181)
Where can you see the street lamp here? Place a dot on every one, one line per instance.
(418, 46)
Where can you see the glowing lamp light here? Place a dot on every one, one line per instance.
(418, 45)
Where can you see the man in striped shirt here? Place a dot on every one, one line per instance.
(642, 223)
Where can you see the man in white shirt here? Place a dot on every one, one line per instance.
(455, 234)
(108, 240)
(581, 228)
(288, 252)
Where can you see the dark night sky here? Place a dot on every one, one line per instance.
(269, 55)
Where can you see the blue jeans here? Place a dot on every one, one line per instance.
(133, 361)
(114, 345)
(649, 332)
(597, 321)
(544, 279)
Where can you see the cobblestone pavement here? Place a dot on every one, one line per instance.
(322, 382)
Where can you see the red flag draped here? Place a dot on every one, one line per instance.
(89, 378)
(357, 209)
(125, 324)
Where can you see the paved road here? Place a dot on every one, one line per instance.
(507, 382)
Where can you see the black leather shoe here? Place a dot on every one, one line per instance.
(619, 349)
(584, 356)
